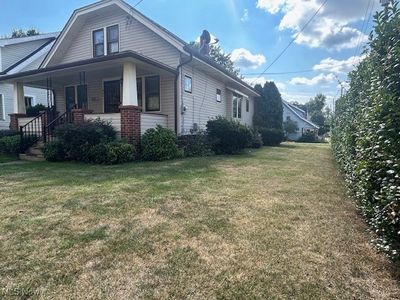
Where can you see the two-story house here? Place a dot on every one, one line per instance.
(112, 62)
(16, 55)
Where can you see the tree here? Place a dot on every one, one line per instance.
(18, 33)
(220, 57)
(290, 127)
(315, 109)
(269, 107)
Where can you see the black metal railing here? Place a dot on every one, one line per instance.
(35, 130)
(49, 129)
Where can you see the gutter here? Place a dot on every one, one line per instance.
(178, 68)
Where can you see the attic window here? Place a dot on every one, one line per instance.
(219, 93)
(112, 39)
(98, 43)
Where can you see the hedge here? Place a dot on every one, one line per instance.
(366, 133)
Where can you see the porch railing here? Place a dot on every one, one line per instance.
(49, 129)
(34, 131)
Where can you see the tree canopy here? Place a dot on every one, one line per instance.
(268, 108)
(220, 57)
(18, 33)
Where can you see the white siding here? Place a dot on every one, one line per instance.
(302, 125)
(201, 105)
(133, 36)
(11, 54)
(149, 121)
(7, 90)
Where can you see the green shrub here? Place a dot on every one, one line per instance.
(256, 139)
(54, 151)
(34, 111)
(78, 139)
(365, 135)
(10, 144)
(308, 137)
(228, 136)
(111, 153)
(8, 132)
(195, 145)
(159, 144)
(271, 136)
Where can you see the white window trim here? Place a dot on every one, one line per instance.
(220, 95)
(3, 105)
(106, 40)
(191, 84)
(237, 107)
(33, 99)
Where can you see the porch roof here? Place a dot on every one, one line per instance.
(98, 61)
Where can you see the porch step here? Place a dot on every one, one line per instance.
(29, 157)
(34, 153)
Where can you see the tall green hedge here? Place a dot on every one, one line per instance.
(366, 134)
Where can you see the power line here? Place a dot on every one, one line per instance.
(292, 41)
(279, 73)
(363, 28)
(140, 1)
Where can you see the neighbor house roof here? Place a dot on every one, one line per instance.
(13, 41)
(294, 109)
(173, 39)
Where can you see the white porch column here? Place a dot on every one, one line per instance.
(129, 85)
(19, 100)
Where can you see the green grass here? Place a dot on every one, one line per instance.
(4, 158)
(269, 224)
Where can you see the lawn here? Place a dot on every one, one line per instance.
(4, 158)
(269, 224)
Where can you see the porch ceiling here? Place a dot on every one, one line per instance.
(112, 66)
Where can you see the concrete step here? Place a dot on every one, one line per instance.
(35, 151)
(27, 157)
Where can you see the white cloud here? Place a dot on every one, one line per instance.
(331, 29)
(317, 80)
(245, 16)
(338, 66)
(243, 58)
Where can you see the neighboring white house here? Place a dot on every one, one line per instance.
(16, 55)
(293, 113)
(112, 62)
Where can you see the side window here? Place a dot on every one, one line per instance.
(139, 91)
(28, 102)
(112, 39)
(2, 109)
(219, 95)
(152, 90)
(98, 43)
(247, 105)
(188, 84)
(240, 101)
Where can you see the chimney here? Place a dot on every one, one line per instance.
(205, 40)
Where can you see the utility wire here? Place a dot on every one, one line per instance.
(364, 25)
(279, 73)
(140, 1)
(292, 41)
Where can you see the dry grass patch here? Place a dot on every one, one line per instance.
(269, 224)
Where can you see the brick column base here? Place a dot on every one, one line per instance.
(78, 115)
(14, 121)
(131, 123)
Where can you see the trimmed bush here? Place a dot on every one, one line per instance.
(159, 144)
(8, 132)
(195, 145)
(10, 144)
(78, 139)
(54, 151)
(111, 153)
(228, 136)
(34, 111)
(271, 137)
(308, 137)
(256, 139)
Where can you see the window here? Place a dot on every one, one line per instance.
(98, 43)
(188, 84)
(2, 110)
(112, 39)
(82, 96)
(139, 86)
(28, 101)
(247, 105)
(152, 90)
(219, 93)
(237, 106)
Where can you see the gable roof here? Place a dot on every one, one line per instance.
(167, 35)
(293, 110)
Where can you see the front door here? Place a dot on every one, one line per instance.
(70, 98)
(112, 96)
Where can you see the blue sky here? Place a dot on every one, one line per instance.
(255, 31)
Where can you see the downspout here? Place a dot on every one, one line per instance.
(178, 68)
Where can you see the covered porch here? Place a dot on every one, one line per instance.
(132, 92)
